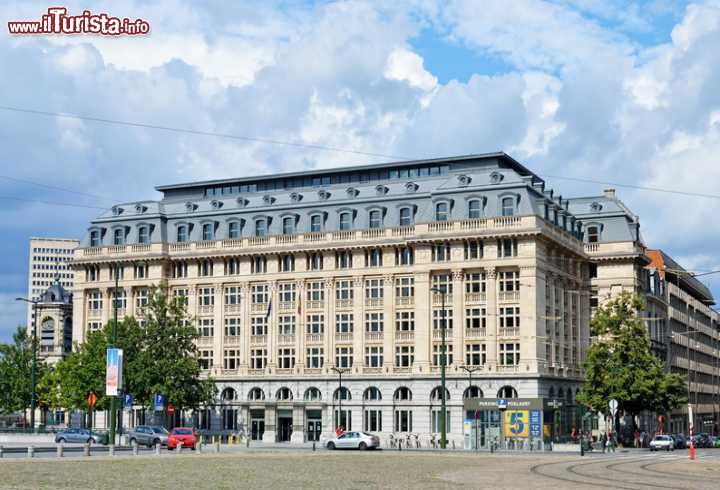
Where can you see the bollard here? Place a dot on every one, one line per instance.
(399, 445)
(31, 452)
(212, 439)
(453, 442)
(217, 446)
(179, 447)
(313, 445)
(157, 449)
(60, 450)
(135, 448)
(1, 452)
(247, 441)
(86, 449)
(111, 450)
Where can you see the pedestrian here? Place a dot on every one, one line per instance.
(637, 439)
(612, 442)
(604, 441)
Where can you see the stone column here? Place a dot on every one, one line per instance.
(358, 312)
(270, 421)
(492, 318)
(423, 323)
(298, 427)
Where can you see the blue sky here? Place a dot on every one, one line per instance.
(607, 90)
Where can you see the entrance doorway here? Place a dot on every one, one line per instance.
(314, 425)
(257, 424)
(284, 426)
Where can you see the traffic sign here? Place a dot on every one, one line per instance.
(502, 404)
(171, 410)
(92, 400)
(613, 407)
(128, 401)
(159, 402)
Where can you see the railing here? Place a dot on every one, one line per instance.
(286, 306)
(312, 371)
(473, 333)
(231, 339)
(507, 369)
(116, 249)
(316, 236)
(373, 233)
(344, 303)
(258, 307)
(140, 247)
(438, 299)
(258, 240)
(179, 247)
(508, 332)
(404, 301)
(256, 372)
(437, 333)
(205, 341)
(405, 336)
(508, 296)
(475, 298)
(206, 244)
(316, 304)
(286, 239)
(206, 309)
(373, 336)
(440, 226)
(403, 231)
(258, 339)
(313, 338)
(372, 370)
(374, 302)
(343, 336)
(232, 243)
(232, 309)
(343, 235)
(591, 247)
(286, 339)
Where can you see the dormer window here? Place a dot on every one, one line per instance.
(593, 234)
(346, 220)
(351, 192)
(215, 204)
(190, 207)
(508, 206)
(463, 180)
(381, 190)
(268, 199)
(441, 211)
(242, 202)
(375, 218)
(117, 210)
(496, 177)
(288, 225)
(208, 231)
(261, 227)
(144, 234)
(95, 238)
(315, 223)
(295, 197)
(323, 195)
(118, 236)
(595, 207)
(474, 209)
(406, 217)
(234, 229)
(182, 233)
(140, 209)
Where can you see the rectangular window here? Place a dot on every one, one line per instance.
(182, 233)
(316, 223)
(141, 298)
(437, 354)
(509, 281)
(258, 325)
(258, 265)
(258, 358)
(475, 354)
(403, 420)
(375, 219)
(443, 282)
(232, 295)
(509, 317)
(406, 217)
(441, 252)
(373, 420)
(475, 318)
(315, 323)
(344, 357)
(179, 270)
(373, 288)
(95, 301)
(234, 229)
(404, 355)
(404, 256)
(437, 422)
(261, 227)
(315, 261)
(231, 359)
(287, 263)
(207, 327)
(475, 282)
(405, 321)
(141, 271)
(143, 234)
(286, 358)
(405, 287)
(205, 268)
(181, 296)
(206, 296)
(229, 418)
(95, 238)
(119, 236)
(343, 259)
(345, 221)
(286, 291)
(288, 225)
(286, 324)
(509, 354)
(344, 289)
(507, 247)
(315, 291)
(438, 316)
(208, 231)
(374, 322)
(374, 356)
(374, 257)
(344, 322)
(315, 358)
(473, 249)
(232, 327)
(232, 267)
(259, 293)
(205, 358)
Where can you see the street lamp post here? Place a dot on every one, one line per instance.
(443, 361)
(33, 369)
(340, 372)
(470, 370)
(113, 342)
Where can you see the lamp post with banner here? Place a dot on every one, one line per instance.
(442, 291)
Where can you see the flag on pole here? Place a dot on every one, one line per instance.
(269, 310)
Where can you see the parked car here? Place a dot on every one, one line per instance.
(681, 441)
(354, 440)
(702, 440)
(78, 435)
(148, 435)
(717, 442)
(182, 436)
(662, 442)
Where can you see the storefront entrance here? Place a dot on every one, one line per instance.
(257, 424)
(314, 425)
(284, 430)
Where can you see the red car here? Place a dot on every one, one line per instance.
(184, 436)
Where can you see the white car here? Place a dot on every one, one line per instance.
(354, 440)
(662, 442)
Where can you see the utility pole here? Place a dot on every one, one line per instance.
(113, 342)
(340, 372)
(443, 361)
(33, 368)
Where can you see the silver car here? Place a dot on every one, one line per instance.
(662, 442)
(148, 435)
(354, 440)
(77, 435)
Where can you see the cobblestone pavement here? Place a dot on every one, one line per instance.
(372, 469)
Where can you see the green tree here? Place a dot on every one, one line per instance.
(621, 365)
(15, 372)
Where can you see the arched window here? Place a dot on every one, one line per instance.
(118, 236)
(472, 392)
(234, 229)
(551, 392)
(315, 223)
(441, 211)
(284, 393)
(288, 225)
(403, 393)
(406, 217)
(342, 394)
(144, 234)
(256, 394)
(508, 206)
(569, 396)
(261, 227)
(312, 394)
(345, 220)
(593, 234)
(436, 394)
(375, 219)
(372, 393)
(208, 231)
(474, 209)
(182, 233)
(228, 394)
(507, 392)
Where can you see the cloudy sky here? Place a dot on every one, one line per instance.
(607, 90)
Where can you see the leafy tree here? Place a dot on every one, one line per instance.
(621, 365)
(15, 372)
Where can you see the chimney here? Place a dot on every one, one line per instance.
(609, 193)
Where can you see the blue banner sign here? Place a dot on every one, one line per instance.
(535, 423)
(159, 402)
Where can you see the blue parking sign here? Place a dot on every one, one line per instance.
(128, 401)
(159, 402)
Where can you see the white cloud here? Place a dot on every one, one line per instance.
(405, 65)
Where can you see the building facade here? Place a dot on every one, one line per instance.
(294, 277)
(49, 258)
(54, 324)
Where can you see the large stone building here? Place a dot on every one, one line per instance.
(292, 277)
(49, 259)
